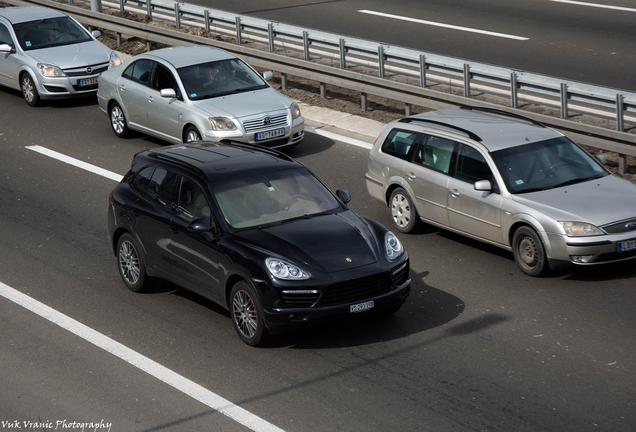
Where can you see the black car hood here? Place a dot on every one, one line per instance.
(331, 243)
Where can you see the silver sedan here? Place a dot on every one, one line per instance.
(48, 55)
(185, 94)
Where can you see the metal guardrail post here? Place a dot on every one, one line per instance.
(239, 39)
(466, 80)
(148, 46)
(363, 98)
(306, 44)
(206, 19)
(177, 16)
(619, 113)
(118, 35)
(381, 61)
(408, 110)
(121, 5)
(323, 90)
(343, 50)
(514, 102)
(270, 36)
(422, 71)
(149, 9)
(564, 100)
(283, 81)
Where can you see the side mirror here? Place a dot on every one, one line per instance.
(343, 195)
(202, 226)
(96, 33)
(267, 75)
(602, 159)
(482, 185)
(168, 93)
(6, 48)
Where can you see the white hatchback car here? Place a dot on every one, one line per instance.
(48, 55)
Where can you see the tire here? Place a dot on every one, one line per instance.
(403, 212)
(118, 121)
(29, 90)
(131, 263)
(191, 134)
(247, 315)
(529, 252)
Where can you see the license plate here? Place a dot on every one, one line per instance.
(626, 245)
(360, 307)
(87, 81)
(261, 136)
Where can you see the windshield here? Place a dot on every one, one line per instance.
(546, 165)
(218, 78)
(51, 32)
(273, 198)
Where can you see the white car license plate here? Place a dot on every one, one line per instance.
(626, 245)
(87, 81)
(261, 136)
(361, 307)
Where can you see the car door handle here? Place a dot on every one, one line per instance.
(411, 176)
(454, 192)
(149, 98)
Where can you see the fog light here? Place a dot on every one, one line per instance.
(581, 259)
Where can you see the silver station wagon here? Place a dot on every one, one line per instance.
(506, 180)
(190, 93)
(48, 55)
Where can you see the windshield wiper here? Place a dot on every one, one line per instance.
(308, 216)
(573, 181)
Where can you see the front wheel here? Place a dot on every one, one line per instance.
(403, 211)
(529, 252)
(191, 134)
(247, 314)
(29, 90)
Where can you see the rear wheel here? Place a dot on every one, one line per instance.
(29, 90)
(131, 263)
(247, 314)
(529, 252)
(118, 121)
(403, 211)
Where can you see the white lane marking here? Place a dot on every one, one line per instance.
(596, 5)
(76, 162)
(340, 138)
(139, 361)
(449, 26)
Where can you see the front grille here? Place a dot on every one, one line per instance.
(357, 289)
(620, 227)
(81, 71)
(265, 123)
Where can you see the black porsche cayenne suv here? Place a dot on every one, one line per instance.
(254, 231)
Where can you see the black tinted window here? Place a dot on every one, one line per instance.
(163, 79)
(164, 188)
(399, 142)
(139, 71)
(471, 165)
(139, 184)
(192, 202)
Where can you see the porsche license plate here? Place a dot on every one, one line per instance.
(360, 307)
(262, 136)
(87, 82)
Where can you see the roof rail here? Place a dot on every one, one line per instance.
(470, 134)
(502, 112)
(176, 161)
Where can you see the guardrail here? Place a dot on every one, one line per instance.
(311, 55)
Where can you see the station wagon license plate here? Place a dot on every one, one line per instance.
(261, 136)
(360, 307)
(87, 82)
(626, 245)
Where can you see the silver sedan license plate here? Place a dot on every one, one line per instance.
(87, 81)
(360, 307)
(624, 246)
(261, 136)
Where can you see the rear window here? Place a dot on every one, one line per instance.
(399, 142)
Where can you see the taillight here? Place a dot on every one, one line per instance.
(110, 199)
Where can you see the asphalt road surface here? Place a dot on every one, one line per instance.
(478, 346)
(587, 41)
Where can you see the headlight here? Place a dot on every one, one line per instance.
(221, 123)
(393, 246)
(295, 110)
(49, 70)
(283, 270)
(114, 60)
(580, 229)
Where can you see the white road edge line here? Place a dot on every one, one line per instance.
(449, 26)
(76, 162)
(340, 138)
(596, 5)
(139, 361)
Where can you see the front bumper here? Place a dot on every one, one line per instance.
(589, 250)
(66, 87)
(294, 134)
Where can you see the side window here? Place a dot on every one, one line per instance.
(436, 154)
(162, 189)
(192, 202)
(163, 79)
(399, 142)
(5, 35)
(471, 165)
(139, 71)
(140, 182)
